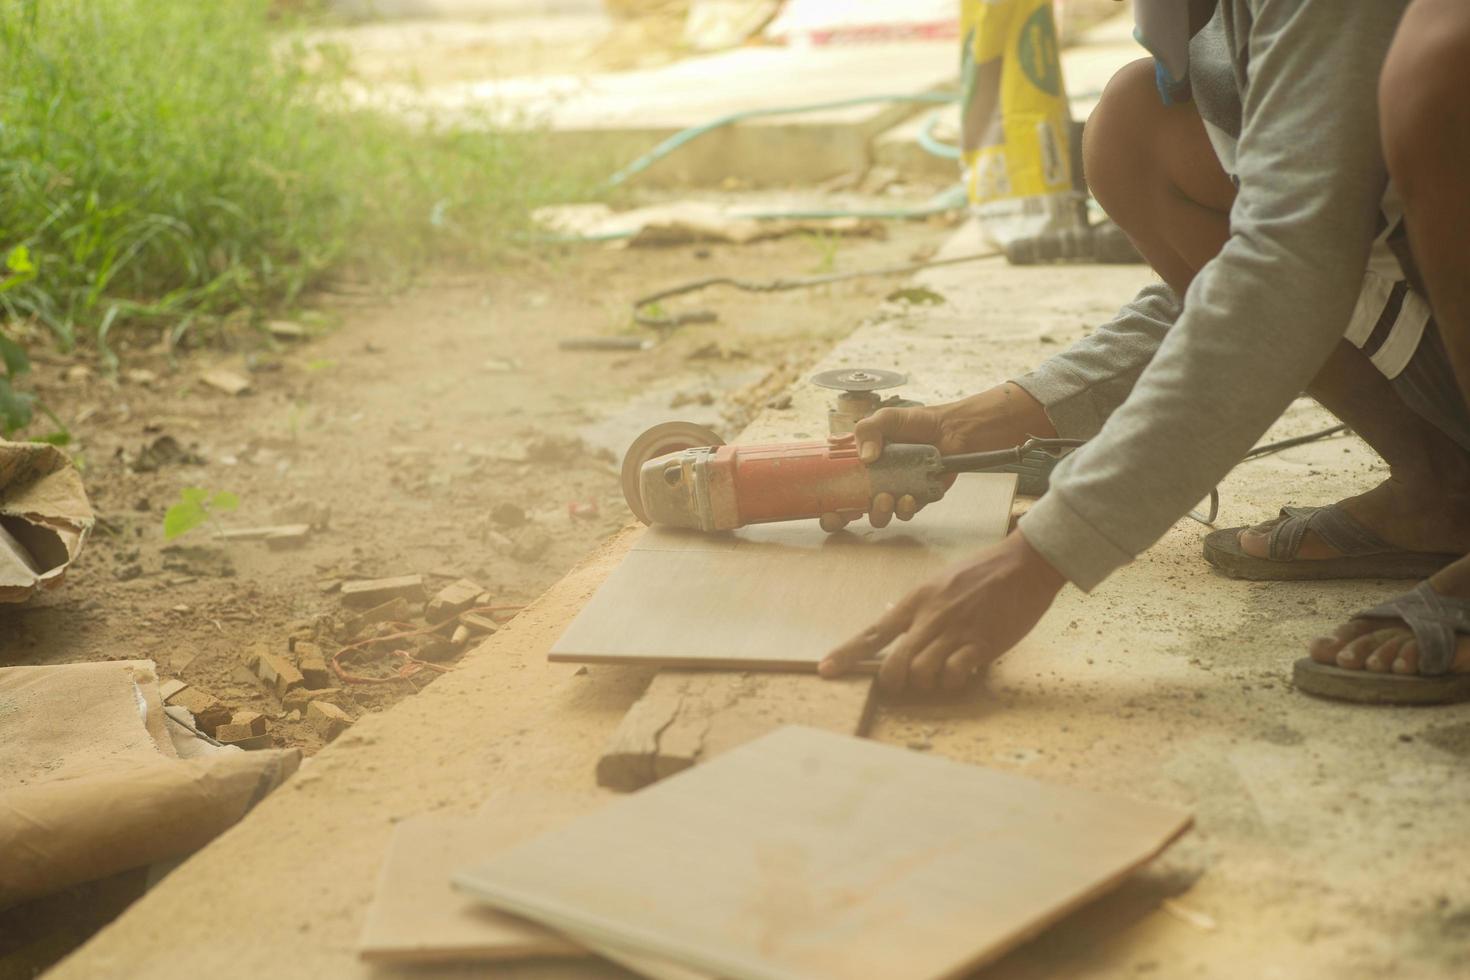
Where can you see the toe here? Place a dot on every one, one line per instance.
(1354, 654)
(1325, 649)
(1254, 543)
(1386, 646)
(1407, 660)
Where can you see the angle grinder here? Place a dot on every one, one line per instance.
(679, 474)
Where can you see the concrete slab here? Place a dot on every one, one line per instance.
(614, 117)
(1329, 838)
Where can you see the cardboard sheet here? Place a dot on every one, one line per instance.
(44, 518)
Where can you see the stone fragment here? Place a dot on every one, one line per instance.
(226, 381)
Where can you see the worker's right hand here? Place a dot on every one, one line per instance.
(998, 418)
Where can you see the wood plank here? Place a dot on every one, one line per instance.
(774, 596)
(689, 716)
(807, 854)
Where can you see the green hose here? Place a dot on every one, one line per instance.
(694, 132)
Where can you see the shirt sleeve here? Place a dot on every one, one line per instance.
(1259, 319)
(1083, 385)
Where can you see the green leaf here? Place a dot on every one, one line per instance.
(15, 409)
(182, 518)
(14, 356)
(19, 261)
(224, 500)
(197, 496)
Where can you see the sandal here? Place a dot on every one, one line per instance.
(1364, 554)
(1436, 620)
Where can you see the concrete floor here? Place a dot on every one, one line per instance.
(1327, 842)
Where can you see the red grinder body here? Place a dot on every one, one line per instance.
(724, 487)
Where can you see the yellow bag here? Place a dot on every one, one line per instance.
(1016, 128)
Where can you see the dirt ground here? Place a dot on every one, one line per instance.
(441, 432)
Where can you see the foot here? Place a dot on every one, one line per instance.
(1387, 645)
(1428, 518)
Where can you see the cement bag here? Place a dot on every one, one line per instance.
(91, 784)
(1015, 123)
(44, 518)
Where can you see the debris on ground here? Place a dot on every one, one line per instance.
(452, 600)
(226, 381)
(683, 222)
(44, 518)
(368, 592)
(328, 719)
(163, 451)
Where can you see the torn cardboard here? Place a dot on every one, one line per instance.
(91, 782)
(44, 518)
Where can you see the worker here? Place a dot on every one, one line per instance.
(1298, 175)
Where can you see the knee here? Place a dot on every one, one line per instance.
(1422, 94)
(1116, 157)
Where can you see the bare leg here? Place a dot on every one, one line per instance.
(1153, 169)
(1426, 140)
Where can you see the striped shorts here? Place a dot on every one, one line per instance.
(1393, 325)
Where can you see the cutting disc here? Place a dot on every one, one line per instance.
(859, 379)
(662, 439)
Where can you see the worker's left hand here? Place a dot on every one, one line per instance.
(951, 627)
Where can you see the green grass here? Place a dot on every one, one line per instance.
(166, 162)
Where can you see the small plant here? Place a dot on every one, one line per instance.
(826, 247)
(15, 406)
(195, 506)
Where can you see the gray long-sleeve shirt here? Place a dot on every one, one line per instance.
(1173, 395)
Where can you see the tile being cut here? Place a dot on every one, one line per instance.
(822, 857)
(775, 596)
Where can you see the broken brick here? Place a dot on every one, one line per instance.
(392, 610)
(328, 719)
(452, 600)
(367, 592)
(246, 730)
(479, 622)
(253, 721)
(315, 672)
(298, 698)
(209, 713)
(279, 673)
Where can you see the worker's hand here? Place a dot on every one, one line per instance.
(998, 418)
(948, 629)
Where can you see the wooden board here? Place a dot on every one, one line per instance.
(417, 917)
(811, 855)
(688, 716)
(774, 596)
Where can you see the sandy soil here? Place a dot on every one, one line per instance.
(441, 432)
(1328, 838)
